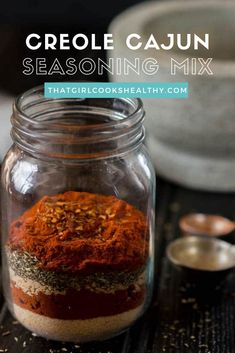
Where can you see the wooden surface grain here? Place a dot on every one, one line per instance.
(187, 315)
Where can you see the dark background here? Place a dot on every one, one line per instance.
(18, 19)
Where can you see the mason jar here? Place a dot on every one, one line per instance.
(78, 192)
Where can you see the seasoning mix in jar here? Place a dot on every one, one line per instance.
(78, 193)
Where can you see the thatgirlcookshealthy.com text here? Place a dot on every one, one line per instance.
(117, 65)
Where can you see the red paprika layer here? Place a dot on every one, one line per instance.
(79, 305)
(82, 232)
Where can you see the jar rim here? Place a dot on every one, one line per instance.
(76, 128)
(39, 89)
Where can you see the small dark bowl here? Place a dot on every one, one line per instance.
(206, 261)
(212, 226)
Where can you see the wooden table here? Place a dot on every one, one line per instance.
(183, 318)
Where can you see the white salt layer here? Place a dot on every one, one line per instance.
(87, 330)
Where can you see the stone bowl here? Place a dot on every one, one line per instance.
(192, 141)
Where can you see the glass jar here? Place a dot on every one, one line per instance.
(78, 193)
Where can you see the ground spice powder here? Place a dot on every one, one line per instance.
(82, 232)
(82, 265)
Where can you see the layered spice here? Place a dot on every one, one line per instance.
(82, 232)
(81, 257)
